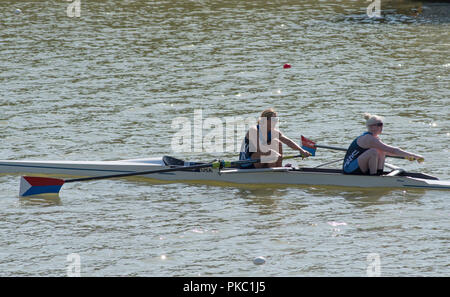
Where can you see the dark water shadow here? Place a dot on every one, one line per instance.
(266, 199)
(400, 12)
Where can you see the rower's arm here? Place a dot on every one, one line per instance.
(290, 143)
(390, 150)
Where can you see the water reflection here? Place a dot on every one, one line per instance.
(362, 197)
(41, 200)
(266, 199)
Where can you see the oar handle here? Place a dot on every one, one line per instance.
(294, 156)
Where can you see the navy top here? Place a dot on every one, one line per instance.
(245, 153)
(354, 151)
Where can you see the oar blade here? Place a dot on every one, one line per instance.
(308, 145)
(34, 185)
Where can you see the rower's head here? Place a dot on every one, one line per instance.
(269, 117)
(374, 123)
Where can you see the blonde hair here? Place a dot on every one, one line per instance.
(268, 113)
(372, 119)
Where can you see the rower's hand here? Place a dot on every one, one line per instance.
(419, 158)
(305, 154)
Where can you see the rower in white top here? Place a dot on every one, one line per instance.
(264, 141)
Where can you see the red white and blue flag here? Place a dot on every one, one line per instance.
(309, 145)
(33, 185)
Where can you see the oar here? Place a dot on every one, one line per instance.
(34, 185)
(311, 146)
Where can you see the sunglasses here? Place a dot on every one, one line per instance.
(377, 124)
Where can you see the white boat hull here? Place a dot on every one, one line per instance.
(282, 175)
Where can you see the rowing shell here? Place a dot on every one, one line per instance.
(279, 175)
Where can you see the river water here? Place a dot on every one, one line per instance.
(108, 85)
